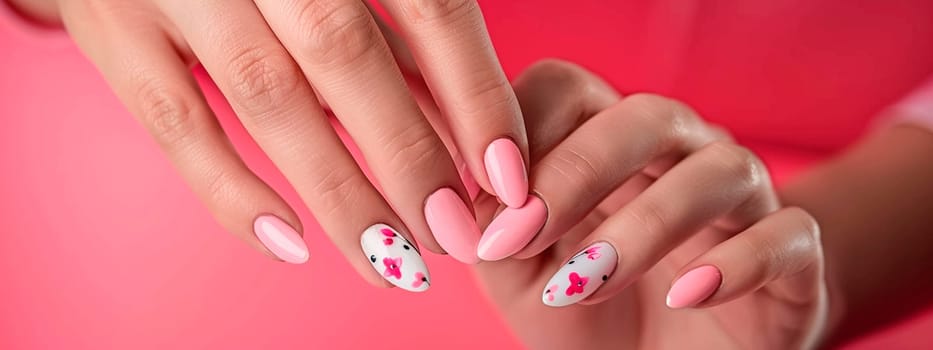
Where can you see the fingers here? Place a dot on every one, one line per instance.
(339, 48)
(277, 107)
(579, 173)
(709, 184)
(155, 84)
(781, 247)
(455, 55)
(556, 97)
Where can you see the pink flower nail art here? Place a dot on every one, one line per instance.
(386, 249)
(420, 279)
(389, 234)
(577, 283)
(586, 271)
(549, 293)
(393, 267)
(592, 253)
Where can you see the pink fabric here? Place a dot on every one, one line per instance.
(103, 246)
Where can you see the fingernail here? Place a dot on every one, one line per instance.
(452, 225)
(395, 258)
(694, 287)
(581, 276)
(281, 239)
(512, 229)
(506, 171)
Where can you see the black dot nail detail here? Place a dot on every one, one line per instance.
(406, 247)
(570, 262)
(605, 277)
(372, 258)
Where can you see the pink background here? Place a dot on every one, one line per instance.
(103, 247)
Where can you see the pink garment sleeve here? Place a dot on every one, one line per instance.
(916, 108)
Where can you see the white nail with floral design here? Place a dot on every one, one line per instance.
(581, 275)
(395, 258)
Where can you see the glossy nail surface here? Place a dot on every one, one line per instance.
(281, 239)
(581, 275)
(512, 229)
(694, 286)
(506, 170)
(452, 224)
(395, 258)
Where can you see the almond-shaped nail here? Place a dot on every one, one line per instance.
(694, 287)
(395, 258)
(452, 224)
(281, 239)
(581, 275)
(506, 170)
(512, 229)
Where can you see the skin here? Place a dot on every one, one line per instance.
(813, 284)
(800, 294)
(275, 62)
(638, 192)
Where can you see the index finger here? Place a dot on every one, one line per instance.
(449, 41)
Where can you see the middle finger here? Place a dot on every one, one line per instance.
(341, 51)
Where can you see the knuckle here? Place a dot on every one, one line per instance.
(415, 150)
(168, 115)
(805, 223)
(740, 164)
(650, 215)
(488, 97)
(578, 169)
(336, 32)
(221, 188)
(552, 71)
(663, 116)
(336, 191)
(436, 10)
(262, 79)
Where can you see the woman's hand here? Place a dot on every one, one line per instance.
(269, 58)
(649, 228)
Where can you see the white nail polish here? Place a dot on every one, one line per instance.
(395, 258)
(581, 276)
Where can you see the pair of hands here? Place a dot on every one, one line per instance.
(643, 189)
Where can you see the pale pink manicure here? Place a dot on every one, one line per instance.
(694, 287)
(512, 229)
(506, 170)
(281, 239)
(453, 225)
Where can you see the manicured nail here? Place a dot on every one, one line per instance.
(452, 225)
(512, 229)
(281, 239)
(506, 171)
(395, 258)
(694, 286)
(581, 276)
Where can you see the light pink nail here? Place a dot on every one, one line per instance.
(512, 229)
(453, 225)
(281, 239)
(694, 287)
(506, 171)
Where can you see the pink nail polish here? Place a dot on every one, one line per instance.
(512, 229)
(506, 170)
(281, 239)
(453, 225)
(694, 286)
